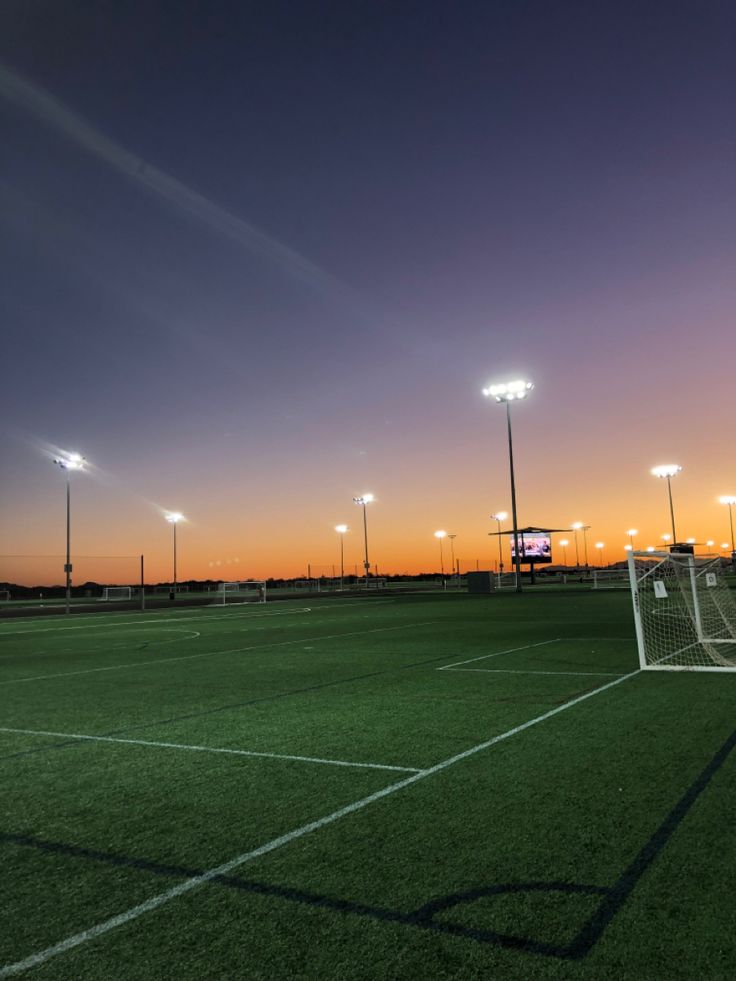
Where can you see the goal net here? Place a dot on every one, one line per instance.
(610, 579)
(116, 593)
(251, 591)
(684, 612)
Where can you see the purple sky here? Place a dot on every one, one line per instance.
(258, 258)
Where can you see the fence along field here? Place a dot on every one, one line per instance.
(446, 786)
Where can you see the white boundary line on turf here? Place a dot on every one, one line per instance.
(211, 749)
(595, 674)
(234, 650)
(113, 625)
(192, 635)
(91, 618)
(509, 650)
(40, 957)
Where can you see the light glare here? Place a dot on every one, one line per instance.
(341, 529)
(440, 534)
(727, 499)
(666, 470)
(174, 517)
(508, 391)
(500, 515)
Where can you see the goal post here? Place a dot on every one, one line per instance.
(112, 593)
(684, 612)
(243, 591)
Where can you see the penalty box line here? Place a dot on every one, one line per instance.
(234, 650)
(509, 650)
(210, 749)
(155, 902)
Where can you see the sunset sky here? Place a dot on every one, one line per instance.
(257, 259)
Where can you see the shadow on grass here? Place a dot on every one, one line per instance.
(427, 916)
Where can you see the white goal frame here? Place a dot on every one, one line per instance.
(243, 591)
(125, 591)
(4, 595)
(681, 602)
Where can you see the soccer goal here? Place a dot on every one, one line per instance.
(252, 591)
(684, 612)
(117, 593)
(610, 579)
(4, 595)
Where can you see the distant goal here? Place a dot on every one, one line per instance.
(111, 593)
(245, 591)
(684, 612)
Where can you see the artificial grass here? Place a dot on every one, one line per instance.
(490, 867)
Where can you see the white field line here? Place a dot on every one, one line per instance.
(596, 674)
(211, 749)
(193, 634)
(90, 620)
(234, 650)
(34, 960)
(509, 650)
(113, 625)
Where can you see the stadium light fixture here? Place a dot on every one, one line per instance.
(69, 462)
(452, 552)
(710, 543)
(498, 517)
(631, 532)
(440, 535)
(576, 527)
(730, 500)
(563, 544)
(666, 538)
(174, 517)
(651, 548)
(342, 530)
(628, 548)
(507, 393)
(363, 500)
(690, 541)
(667, 471)
(724, 546)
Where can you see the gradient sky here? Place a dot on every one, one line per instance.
(258, 258)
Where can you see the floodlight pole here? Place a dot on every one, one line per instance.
(68, 564)
(500, 548)
(585, 545)
(730, 521)
(174, 523)
(517, 556)
(577, 553)
(365, 539)
(452, 551)
(672, 510)
(442, 559)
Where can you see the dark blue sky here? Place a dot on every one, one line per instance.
(401, 200)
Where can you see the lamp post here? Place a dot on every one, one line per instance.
(363, 500)
(508, 393)
(69, 462)
(342, 531)
(500, 516)
(563, 544)
(440, 535)
(631, 532)
(600, 546)
(668, 471)
(452, 553)
(174, 517)
(730, 500)
(576, 527)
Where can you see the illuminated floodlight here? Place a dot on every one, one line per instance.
(730, 500)
(564, 542)
(628, 548)
(70, 461)
(651, 548)
(174, 517)
(666, 470)
(509, 391)
(724, 545)
(666, 538)
(690, 541)
(577, 525)
(500, 515)
(710, 543)
(341, 529)
(362, 501)
(600, 544)
(631, 532)
(440, 534)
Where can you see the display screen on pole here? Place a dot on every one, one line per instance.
(533, 548)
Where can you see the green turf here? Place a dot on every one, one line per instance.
(590, 844)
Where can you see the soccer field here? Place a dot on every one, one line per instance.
(429, 787)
